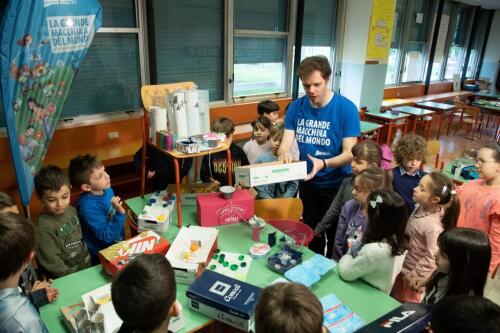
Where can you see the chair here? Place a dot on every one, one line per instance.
(282, 208)
(434, 148)
(459, 113)
(472, 117)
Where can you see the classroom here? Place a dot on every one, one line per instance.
(250, 166)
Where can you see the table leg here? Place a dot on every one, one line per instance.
(450, 120)
(441, 118)
(428, 129)
(414, 124)
(229, 168)
(178, 191)
(389, 133)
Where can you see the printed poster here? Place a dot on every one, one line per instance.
(381, 25)
(42, 44)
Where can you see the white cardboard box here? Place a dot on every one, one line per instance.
(157, 213)
(269, 173)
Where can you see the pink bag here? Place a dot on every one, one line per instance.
(387, 157)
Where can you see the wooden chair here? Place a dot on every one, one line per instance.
(282, 208)
(459, 113)
(472, 117)
(434, 148)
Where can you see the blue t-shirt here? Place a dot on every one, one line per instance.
(319, 133)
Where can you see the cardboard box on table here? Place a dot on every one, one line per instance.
(407, 318)
(117, 256)
(269, 173)
(187, 263)
(215, 210)
(157, 213)
(190, 191)
(225, 299)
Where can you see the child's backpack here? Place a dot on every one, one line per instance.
(387, 157)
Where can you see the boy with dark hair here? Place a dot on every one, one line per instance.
(269, 109)
(144, 294)
(464, 313)
(409, 154)
(100, 211)
(17, 244)
(276, 190)
(214, 166)
(288, 307)
(60, 247)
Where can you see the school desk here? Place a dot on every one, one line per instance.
(368, 302)
(391, 121)
(441, 109)
(367, 129)
(490, 109)
(416, 115)
(395, 102)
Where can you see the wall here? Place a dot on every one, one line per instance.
(491, 61)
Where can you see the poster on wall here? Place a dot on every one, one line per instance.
(42, 44)
(381, 25)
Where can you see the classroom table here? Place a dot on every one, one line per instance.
(367, 129)
(415, 115)
(441, 109)
(447, 171)
(395, 102)
(489, 107)
(493, 94)
(390, 120)
(369, 303)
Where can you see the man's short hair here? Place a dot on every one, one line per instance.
(223, 125)
(267, 106)
(288, 307)
(315, 63)
(144, 291)
(17, 242)
(50, 178)
(464, 313)
(410, 147)
(81, 167)
(5, 201)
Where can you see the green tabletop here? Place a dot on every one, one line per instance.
(386, 116)
(493, 94)
(436, 106)
(486, 105)
(367, 127)
(368, 302)
(447, 172)
(413, 111)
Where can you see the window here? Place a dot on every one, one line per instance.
(394, 52)
(189, 40)
(438, 63)
(477, 44)
(318, 31)
(417, 40)
(260, 47)
(458, 47)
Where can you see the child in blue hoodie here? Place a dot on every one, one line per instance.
(101, 212)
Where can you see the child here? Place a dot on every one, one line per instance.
(100, 211)
(353, 219)
(60, 248)
(462, 313)
(214, 166)
(288, 307)
(270, 110)
(365, 154)
(480, 199)
(144, 294)
(276, 190)
(381, 256)
(409, 154)
(462, 263)
(437, 210)
(38, 292)
(17, 238)
(260, 143)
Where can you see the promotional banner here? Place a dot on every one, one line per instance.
(42, 44)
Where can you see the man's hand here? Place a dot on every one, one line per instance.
(117, 204)
(286, 158)
(317, 166)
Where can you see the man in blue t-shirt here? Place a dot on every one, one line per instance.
(326, 127)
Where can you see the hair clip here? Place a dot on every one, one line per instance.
(444, 190)
(453, 192)
(377, 200)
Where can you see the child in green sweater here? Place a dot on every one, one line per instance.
(60, 248)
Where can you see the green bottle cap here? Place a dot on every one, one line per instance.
(243, 264)
(233, 267)
(221, 260)
(242, 257)
(225, 264)
(213, 267)
(216, 256)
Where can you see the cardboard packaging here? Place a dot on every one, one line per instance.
(408, 318)
(225, 299)
(157, 213)
(269, 173)
(215, 210)
(189, 191)
(117, 256)
(191, 251)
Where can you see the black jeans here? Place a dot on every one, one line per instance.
(316, 201)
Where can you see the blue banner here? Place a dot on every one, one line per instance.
(42, 44)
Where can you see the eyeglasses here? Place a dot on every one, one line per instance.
(480, 162)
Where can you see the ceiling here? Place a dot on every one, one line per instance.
(487, 4)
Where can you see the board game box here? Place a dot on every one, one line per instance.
(225, 299)
(215, 210)
(407, 318)
(157, 213)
